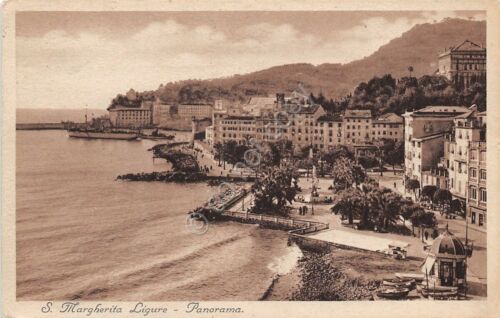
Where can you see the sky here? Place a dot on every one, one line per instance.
(79, 59)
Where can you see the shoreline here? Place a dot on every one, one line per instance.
(336, 275)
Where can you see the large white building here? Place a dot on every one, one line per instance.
(269, 120)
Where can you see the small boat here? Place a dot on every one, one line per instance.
(438, 292)
(418, 277)
(399, 282)
(393, 292)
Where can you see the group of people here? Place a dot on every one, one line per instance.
(303, 210)
(206, 169)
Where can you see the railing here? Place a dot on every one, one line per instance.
(297, 226)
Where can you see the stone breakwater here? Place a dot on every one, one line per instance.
(180, 176)
(180, 160)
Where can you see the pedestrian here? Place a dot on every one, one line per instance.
(394, 185)
(426, 234)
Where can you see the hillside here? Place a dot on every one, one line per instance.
(418, 47)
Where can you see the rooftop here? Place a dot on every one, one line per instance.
(330, 117)
(187, 105)
(439, 111)
(389, 118)
(448, 245)
(428, 137)
(359, 113)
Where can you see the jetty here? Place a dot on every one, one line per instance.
(227, 203)
(39, 126)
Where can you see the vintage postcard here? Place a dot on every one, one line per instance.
(243, 159)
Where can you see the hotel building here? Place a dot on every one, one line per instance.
(301, 123)
(424, 133)
(463, 64)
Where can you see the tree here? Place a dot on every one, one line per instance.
(386, 205)
(420, 218)
(442, 197)
(351, 203)
(273, 190)
(394, 153)
(358, 174)
(337, 152)
(410, 69)
(219, 149)
(413, 185)
(345, 173)
(428, 191)
(407, 209)
(368, 161)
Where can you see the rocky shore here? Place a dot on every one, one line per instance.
(180, 176)
(337, 275)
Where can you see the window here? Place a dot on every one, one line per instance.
(473, 173)
(482, 174)
(473, 154)
(482, 195)
(473, 193)
(482, 156)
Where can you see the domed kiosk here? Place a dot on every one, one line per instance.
(445, 264)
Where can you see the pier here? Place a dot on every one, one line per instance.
(40, 126)
(294, 226)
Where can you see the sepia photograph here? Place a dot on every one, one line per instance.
(232, 156)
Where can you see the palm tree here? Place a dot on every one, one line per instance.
(410, 69)
(349, 204)
(342, 173)
(386, 205)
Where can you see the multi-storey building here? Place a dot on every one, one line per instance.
(463, 64)
(388, 126)
(467, 164)
(301, 123)
(476, 184)
(160, 112)
(130, 117)
(424, 133)
(196, 111)
(209, 135)
(357, 126)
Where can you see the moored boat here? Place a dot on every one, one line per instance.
(393, 292)
(88, 134)
(438, 292)
(418, 277)
(399, 282)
